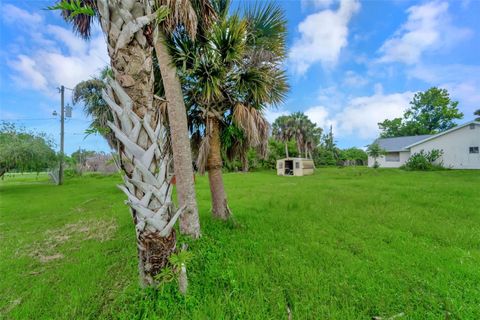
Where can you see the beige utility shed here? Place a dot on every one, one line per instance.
(295, 167)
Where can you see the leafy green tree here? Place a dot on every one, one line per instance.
(430, 112)
(80, 156)
(477, 113)
(24, 151)
(327, 153)
(353, 156)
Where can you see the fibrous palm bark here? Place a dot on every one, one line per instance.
(214, 165)
(182, 155)
(139, 127)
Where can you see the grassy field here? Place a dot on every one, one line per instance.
(342, 244)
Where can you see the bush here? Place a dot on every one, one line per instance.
(424, 161)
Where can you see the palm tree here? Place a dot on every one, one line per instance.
(189, 14)
(229, 79)
(299, 127)
(89, 93)
(477, 113)
(138, 125)
(375, 151)
(283, 131)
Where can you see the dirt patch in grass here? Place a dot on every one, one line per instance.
(48, 249)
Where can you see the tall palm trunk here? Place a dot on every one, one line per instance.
(214, 167)
(286, 149)
(139, 127)
(182, 155)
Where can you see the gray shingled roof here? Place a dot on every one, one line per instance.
(399, 143)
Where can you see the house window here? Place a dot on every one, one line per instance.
(280, 165)
(392, 157)
(472, 126)
(297, 165)
(473, 149)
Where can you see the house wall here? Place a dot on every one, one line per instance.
(455, 146)
(404, 155)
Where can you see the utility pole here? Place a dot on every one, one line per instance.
(62, 134)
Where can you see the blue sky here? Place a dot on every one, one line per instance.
(351, 63)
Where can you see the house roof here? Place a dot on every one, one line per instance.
(398, 144)
(442, 133)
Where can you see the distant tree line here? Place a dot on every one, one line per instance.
(296, 135)
(24, 151)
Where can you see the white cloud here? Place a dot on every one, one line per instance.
(15, 15)
(322, 37)
(272, 114)
(320, 116)
(73, 43)
(461, 81)
(54, 56)
(361, 115)
(353, 79)
(28, 74)
(428, 27)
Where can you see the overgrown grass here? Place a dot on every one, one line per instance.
(342, 244)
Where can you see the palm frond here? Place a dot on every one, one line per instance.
(193, 15)
(89, 93)
(203, 152)
(267, 28)
(81, 22)
(254, 126)
(221, 8)
(228, 39)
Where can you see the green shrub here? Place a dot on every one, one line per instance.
(424, 161)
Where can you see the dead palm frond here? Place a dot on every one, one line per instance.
(191, 14)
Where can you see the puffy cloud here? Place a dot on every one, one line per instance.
(322, 37)
(54, 56)
(28, 74)
(428, 27)
(14, 15)
(362, 114)
(272, 114)
(461, 81)
(353, 79)
(320, 116)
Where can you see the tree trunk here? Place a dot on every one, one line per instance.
(286, 149)
(139, 128)
(214, 167)
(182, 154)
(244, 158)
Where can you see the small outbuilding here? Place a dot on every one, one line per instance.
(295, 167)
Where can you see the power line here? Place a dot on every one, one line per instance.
(35, 119)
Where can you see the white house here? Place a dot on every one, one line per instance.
(460, 146)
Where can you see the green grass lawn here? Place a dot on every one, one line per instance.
(342, 244)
